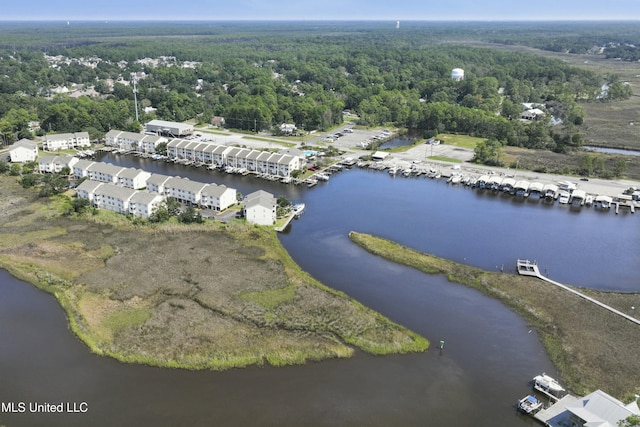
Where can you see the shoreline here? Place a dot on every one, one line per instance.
(564, 321)
(251, 304)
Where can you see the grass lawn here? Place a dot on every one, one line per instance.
(464, 141)
(274, 141)
(445, 159)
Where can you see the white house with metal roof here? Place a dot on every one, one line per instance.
(133, 178)
(218, 197)
(81, 168)
(104, 172)
(143, 203)
(259, 208)
(156, 182)
(55, 164)
(23, 151)
(113, 198)
(597, 409)
(184, 190)
(65, 141)
(87, 189)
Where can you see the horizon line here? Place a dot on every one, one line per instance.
(107, 20)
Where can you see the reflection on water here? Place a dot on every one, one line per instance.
(612, 150)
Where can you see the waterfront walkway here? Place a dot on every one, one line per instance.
(528, 268)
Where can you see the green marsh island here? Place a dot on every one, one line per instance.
(208, 296)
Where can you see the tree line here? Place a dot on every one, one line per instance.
(258, 78)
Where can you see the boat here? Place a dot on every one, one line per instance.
(547, 385)
(529, 405)
(393, 170)
(563, 198)
(298, 209)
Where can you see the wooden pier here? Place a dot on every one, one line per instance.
(528, 268)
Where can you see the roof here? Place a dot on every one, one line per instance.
(260, 198)
(264, 156)
(166, 124)
(157, 179)
(379, 155)
(113, 133)
(59, 137)
(105, 168)
(253, 155)
(88, 185)
(185, 184)
(220, 149)
(83, 164)
(213, 190)
(285, 159)
(115, 191)
(131, 173)
(600, 409)
(145, 197)
(24, 143)
(579, 194)
(259, 193)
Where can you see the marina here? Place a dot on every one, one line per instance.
(360, 390)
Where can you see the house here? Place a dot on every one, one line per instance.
(217, 197)
(55, 164)
(532, 114)
(23, 151)
(218, 121)
(81, 168)
(65, 141)
(87, 190)
(113, 198)
(595, 409)
(143, 203)
(149, 143)
(184, 190)
(133, 178)
(288, 128)
(259, 208)
(156, 182)
(104, 172)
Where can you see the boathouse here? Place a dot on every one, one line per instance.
(595, 409)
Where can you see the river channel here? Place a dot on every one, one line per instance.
(490, 354)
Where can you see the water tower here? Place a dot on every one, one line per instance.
(457, 74)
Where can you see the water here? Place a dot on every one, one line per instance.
(612, 150)
(398, 142)
(490, 353)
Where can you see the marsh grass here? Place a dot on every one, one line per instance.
(201, 296)
(592, 347)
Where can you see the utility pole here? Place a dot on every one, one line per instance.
(135, 94)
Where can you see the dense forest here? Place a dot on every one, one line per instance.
(259, 76)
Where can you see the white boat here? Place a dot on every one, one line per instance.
(563, 198)
(393, 170)
(298, 209)
(547, 385)
(529, 405)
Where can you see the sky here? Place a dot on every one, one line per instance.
(352, 10)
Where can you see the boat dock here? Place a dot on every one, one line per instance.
(528, 268)
(546, 415)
